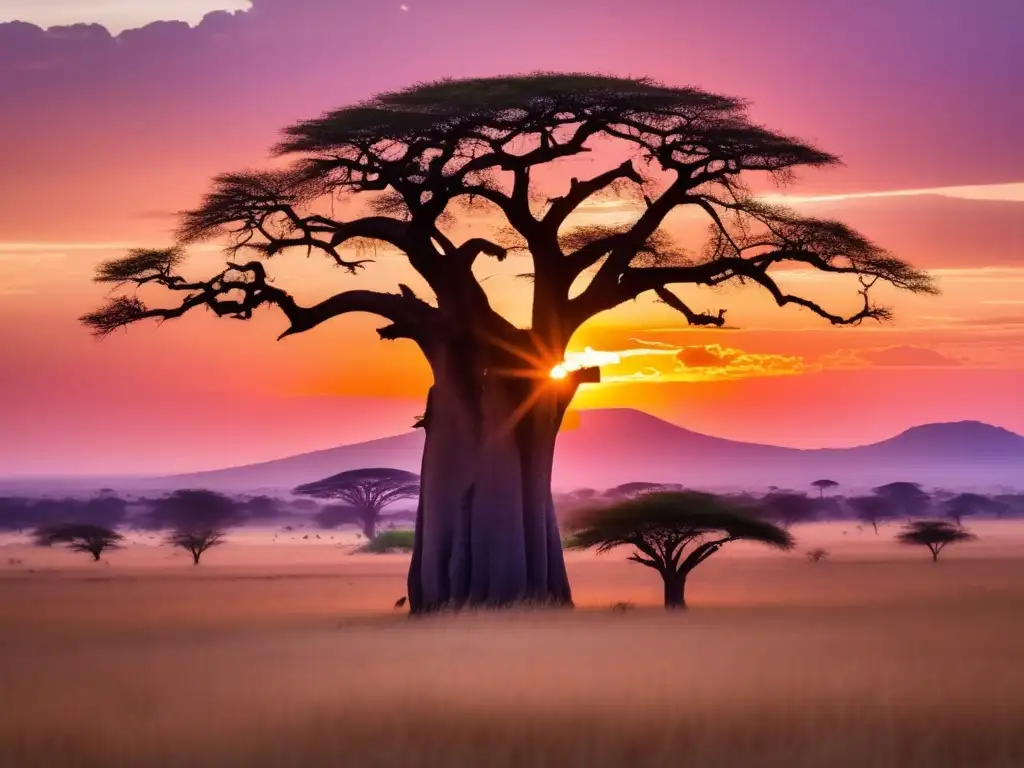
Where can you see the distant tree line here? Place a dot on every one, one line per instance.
(197, 520)
(898, 501)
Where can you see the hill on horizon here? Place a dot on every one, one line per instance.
(612, 446)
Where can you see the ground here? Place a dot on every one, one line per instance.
(288, 653)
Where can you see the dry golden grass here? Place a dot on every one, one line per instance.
(261, 660)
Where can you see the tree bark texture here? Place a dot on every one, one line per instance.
(486, 533)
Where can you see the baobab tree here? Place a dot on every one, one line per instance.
(934, 534)
(661, 526)
(824, 485)
(363, 495)
(400, 166)
(79, 537)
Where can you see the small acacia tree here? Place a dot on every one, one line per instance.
(79, 537)
(824, 485)
(363, 495)
(661, 526)
(934, 534)
(195, 519)
(196, 540)
(401, 166)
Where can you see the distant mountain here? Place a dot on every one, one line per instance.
(608, 447)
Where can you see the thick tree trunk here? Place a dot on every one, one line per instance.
(370, 526)
(486, 533)
(675, 591)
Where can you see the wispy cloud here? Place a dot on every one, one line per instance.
(995, 192)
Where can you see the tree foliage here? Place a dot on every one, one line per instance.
(934, 534)
(79, 537)
(193, 509)
(196, 540)
(966, 504)
(871, 510)
(672, 532)
(395, 540)
(905, 499)
(824, 485)
(362, 495)
(788, 508)
(414, 158)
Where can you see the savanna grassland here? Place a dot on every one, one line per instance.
(289, 654)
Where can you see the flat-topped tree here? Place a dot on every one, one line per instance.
(672, 532)
(363, 495)
(824, 485)
(414, 158)
(934, 534)
(79, 537)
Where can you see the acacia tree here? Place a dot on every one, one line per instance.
(824, 485)
(405, 162)
(363, 493)
(965, 504)
(196, 541)
(196, 519)
(79, 537)
(905, 499)
(871, 510)
(788, 508)
(934, 534)
(660, 527)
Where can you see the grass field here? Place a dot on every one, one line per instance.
(290, 655)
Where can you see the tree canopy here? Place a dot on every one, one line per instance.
(660, 526)
(79, 537)
(362, 495)
(934, 534)
(416, 156)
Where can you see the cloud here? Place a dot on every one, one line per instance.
(1013, 192)
(708, 356)
(660, 362)
(897, 356)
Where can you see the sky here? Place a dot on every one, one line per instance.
(119, 118)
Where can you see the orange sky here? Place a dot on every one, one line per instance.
(199, 392)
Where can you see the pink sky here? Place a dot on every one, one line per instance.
(104, 136)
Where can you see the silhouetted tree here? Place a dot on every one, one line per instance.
(413, 161)
(966, 504)
(364, 494)
(871, 510)
(934, 534)
(192, 510)
(824, 485)
(904, 499)
(15, 513)
(196, 540)
(788, 508)
(1010, 504)
(79, 537)
(195, 519)
(660, 527)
